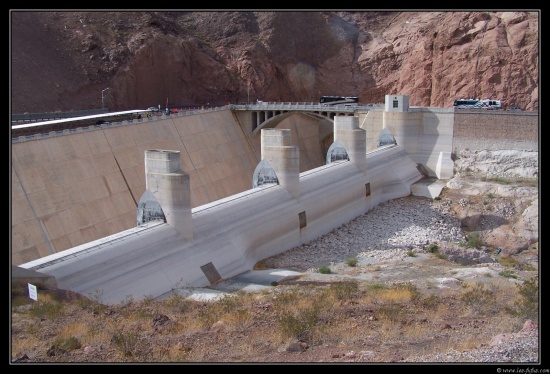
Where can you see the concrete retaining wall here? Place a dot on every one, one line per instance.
(72, 189)
(232, 234)
(494, 130)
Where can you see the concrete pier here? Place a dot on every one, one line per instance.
(278, 150)
(170, 186)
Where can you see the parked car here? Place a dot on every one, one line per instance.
(514, 108)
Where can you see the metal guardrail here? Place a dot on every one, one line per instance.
(35, 117)
(42, 134)
(258, 106)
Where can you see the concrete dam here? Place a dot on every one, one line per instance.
(76, 196)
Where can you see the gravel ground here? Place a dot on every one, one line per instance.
(385, 236)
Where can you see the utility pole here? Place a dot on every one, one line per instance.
(102, 98)
(248, 94)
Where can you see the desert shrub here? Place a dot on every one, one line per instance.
(411, 253)
(376, 286)
(433, 248)
(288, 297)
(301, 323)
(33, 328)
(352, 261)
(528, 304)
(47, 308)
(441, 255)
(214, 311)
(91, 305)
(510, 262)
(344, 290)
(473, 241)
(507, 261)
(180, 304)
(125, 342)
(431, 302)
(325, 270)
(390, 311)
(507, 273)
(68, 344)
(478, 298)
(231, 302)
(415, 295)
(525, 266)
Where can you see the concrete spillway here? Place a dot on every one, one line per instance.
(232, 234)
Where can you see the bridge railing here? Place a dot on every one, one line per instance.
(309, 106)
(256, 106)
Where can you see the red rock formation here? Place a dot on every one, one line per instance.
(63, 60)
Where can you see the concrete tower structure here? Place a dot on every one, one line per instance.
(404, 125)
(170, 186)
(425, 137)
(278, 150)
(353, 138)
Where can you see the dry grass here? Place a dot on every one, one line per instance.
(255, 327)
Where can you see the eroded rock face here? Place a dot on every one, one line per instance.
(63, 60)
(496, 193)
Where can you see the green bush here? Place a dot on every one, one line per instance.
(507, 273)
(376, 286)
(325, 270)
(433, 248)
(352, 261)
(473, 241)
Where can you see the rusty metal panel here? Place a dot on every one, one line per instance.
(211, 273)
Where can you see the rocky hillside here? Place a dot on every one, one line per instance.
(64, 60)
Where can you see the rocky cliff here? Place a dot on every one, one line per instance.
(66, 60)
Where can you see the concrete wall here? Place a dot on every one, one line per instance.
(494, 130)
(425, 133)
(231, 235)
(72, 189)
